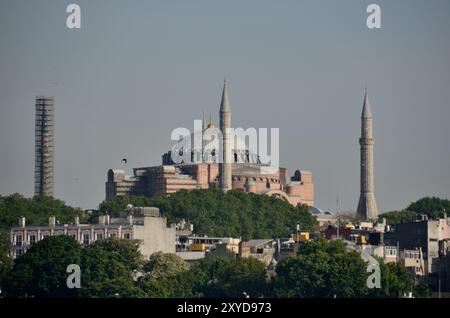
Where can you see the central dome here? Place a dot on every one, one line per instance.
(210, 144)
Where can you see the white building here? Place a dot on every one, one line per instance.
(144, 224)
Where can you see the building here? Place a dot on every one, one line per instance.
(263, 250)
(144, 224)
(44, 139)
(413, 261)
(425, 235)
(367, 206)
(245, 172)
(192, 248)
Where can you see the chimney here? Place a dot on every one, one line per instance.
(107, 219)
(22, 221)
(52, 221)
(101, 219)
(77, 220)
(130, 219)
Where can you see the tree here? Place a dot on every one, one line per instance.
(321, 269)
(108, 267)
(161, 265)
(396, 281)
(398, 217)
(432, 207)
(224, 277)
(41, 272)
(37, 210)
(167, 275)
(127, 251)
(5, 260)
(234, 213)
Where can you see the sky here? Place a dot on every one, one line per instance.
(138, 69)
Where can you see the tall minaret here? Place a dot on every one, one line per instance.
(367, 206)
(225, 167)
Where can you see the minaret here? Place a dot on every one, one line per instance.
(367, 206)
(225, 167)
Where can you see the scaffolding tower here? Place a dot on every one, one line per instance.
(44, 139)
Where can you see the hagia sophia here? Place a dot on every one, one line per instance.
(243, 172)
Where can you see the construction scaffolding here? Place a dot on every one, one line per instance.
(44, 139)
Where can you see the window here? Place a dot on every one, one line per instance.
(32, 239)
(127, 236)
(112, 234)
(99, 236)
(86, 239)
(18, 240)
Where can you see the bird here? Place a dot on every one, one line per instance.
(124, 160)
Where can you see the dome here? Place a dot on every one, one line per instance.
(315, 210)
(240, 150)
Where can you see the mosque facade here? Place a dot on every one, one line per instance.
(240, 170)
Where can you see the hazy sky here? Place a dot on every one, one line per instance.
(138, 69)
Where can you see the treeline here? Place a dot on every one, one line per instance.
(36, 210)
(215, 213)
(115, 268)
(432, 207)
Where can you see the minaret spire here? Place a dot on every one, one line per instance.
(225, 167)
(367, 110)
(225, 104)
(203, 120)
(367, 206)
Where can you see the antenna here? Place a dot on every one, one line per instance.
(337, 215)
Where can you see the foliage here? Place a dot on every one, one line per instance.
(41, 272)
(226, 277)
(215, 213)
(5, 260)
(107, 269)
(398, 217)
(396, 282)
(321, 269)
(161, 265)
(36, 210)
(432, 206)
(127, 250)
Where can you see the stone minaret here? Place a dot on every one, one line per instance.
(367, 206)
(225, 122)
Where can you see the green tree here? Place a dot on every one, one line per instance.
(41, 272)
(398, 217)
(167, 275)
(234, 213)
(321, 269)
(396, 282)
(36, 210)
(5, 260)
(226, 277)
(127, 251)
(161, 265)
(108, 268)
(432, 206)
